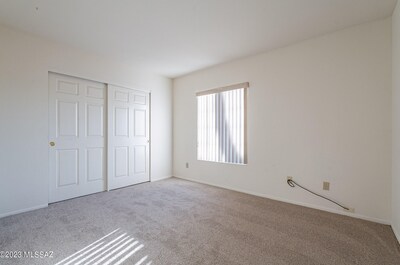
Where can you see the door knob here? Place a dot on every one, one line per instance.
(52, 143)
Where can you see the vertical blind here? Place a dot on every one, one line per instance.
(221, 124)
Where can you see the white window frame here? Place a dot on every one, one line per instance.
(244, 159)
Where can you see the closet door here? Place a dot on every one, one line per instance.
(128, 137)
(76, 137)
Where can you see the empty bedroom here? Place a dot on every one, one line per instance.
(199, 132)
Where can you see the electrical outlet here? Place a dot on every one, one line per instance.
(350, 210)
(325, 185)
(289, 178)
(187, 165)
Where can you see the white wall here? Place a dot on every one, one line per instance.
(318, 110)
(396, 122)
(24, 64)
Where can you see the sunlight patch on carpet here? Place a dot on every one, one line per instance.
(112, 249)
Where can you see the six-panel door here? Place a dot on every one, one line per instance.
(77, 137)
(128, 137)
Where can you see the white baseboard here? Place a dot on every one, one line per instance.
(359, 216)
(23, 210)
(396, 233)
(160, 178)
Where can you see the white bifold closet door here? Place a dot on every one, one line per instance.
(77, 152)
(128, 137)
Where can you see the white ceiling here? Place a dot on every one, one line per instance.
(175, 37)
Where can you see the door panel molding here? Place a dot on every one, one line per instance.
(128, 130)
(77, 160)
(101, 136)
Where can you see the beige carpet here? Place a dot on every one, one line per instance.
(180, 222)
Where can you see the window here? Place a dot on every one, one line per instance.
(221, 124)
